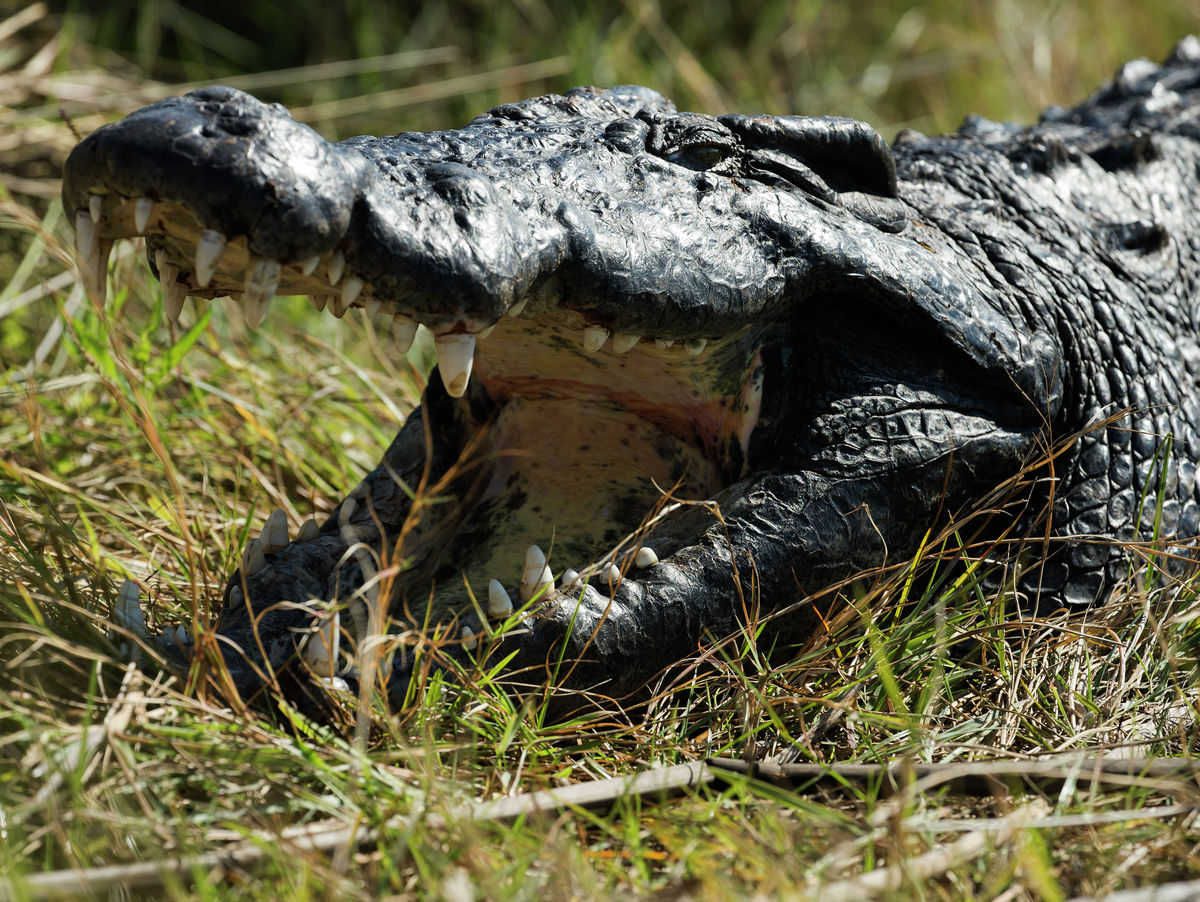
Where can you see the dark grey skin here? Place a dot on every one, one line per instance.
(888, 335)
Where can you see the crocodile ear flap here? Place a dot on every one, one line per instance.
(841, 161)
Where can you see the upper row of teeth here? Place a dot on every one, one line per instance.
(455, 350)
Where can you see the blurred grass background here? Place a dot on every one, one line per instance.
(894, 63)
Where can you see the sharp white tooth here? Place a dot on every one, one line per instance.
(535, 582)
(645, 557)
(624, 341)
(180, 636)
(500, 606)
(695, 346)
(611, 574)
(336, 307)
(142, 208)
(455, 352)
(518, 308)
(468, 639)
(254, 308)
(321, 652)
(545, 584)
(318, 301)
(253, 559)
(663, 343)
(535, 560)
(262, 275)
(95, 269)
(308, 531)
(486, 333)
(351, 289)
(95, 207)
(372, 306)
(85, 236)
(403, 331)
(535, 563)
(594, 338)
(569, 578)
(308, 264)
(337, 266)
(128, 610)
(275, 532)
(174, 293)
(262, 278)
(208, 253)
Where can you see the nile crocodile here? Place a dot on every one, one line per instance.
(712, 364)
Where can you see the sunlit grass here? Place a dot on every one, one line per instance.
(133, 448)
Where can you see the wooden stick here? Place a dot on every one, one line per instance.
(980, 778)
(1183, 891)
(934, 863)
(659, 781)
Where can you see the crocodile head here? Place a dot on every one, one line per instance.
(632, 307)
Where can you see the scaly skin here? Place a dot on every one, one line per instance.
(850, 340)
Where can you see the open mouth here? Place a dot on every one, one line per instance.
(546, 448)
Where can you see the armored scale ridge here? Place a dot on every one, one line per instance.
(827, 342)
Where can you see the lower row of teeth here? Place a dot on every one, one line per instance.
(537, 583)
(455, 351)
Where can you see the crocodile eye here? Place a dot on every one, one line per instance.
(700, 156)
(696, 142)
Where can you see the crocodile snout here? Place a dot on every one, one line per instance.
(226, 162)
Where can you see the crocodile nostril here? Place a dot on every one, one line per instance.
(460, 185)
(1139, 237)
(628, 135)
